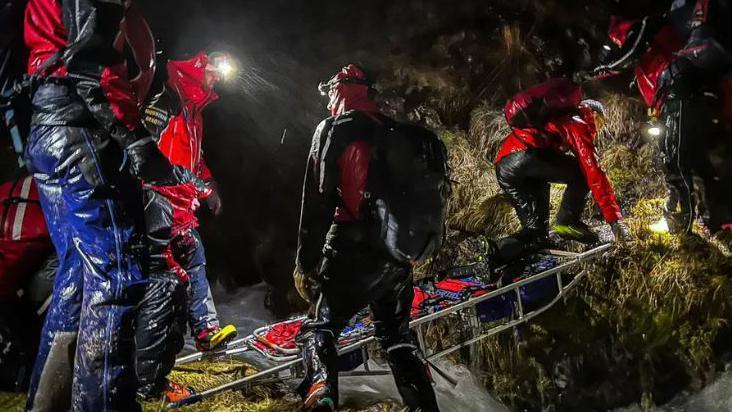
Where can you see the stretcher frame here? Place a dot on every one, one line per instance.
(292, 364)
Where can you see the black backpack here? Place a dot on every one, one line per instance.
(408, 187)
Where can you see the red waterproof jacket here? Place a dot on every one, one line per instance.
(181, 141)
(575, 133)
(24, 239)
(95, 28)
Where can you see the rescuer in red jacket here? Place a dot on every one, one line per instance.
(86, 123)
(174, 116)
(531, 159)
(335, 255)
(683, 66)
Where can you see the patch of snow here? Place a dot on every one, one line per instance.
(467, 396)
(243, 309)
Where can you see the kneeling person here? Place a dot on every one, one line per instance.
(343, 261)
(533, 157)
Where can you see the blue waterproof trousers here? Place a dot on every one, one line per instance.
(94, 212)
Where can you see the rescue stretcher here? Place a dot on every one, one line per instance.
(527, 288)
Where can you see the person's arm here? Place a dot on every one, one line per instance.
(100, 74)
(212, 195)
(579, 136)
(629, 53)
(319, 200)
(98, 69)
(702, 48)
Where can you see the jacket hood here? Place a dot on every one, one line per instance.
(188, 79)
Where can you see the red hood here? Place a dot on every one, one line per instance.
(349, 97)
(188, 79)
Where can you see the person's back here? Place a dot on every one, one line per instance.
(338, 265)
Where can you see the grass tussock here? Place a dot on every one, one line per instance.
(204, 375)
(476, 205)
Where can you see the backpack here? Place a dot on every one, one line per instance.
(407, 191)
(15, 109)
(532, 108)
(16, 87)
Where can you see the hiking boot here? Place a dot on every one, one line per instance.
(318, 399)
(578, 232)
(174, 392)
(170, 391)
(214, 337)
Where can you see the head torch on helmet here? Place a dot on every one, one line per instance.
(325, 87)
(350, 74)
(224, 65)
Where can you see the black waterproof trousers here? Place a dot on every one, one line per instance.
(525, 178)
(696, 144)
(161, 316)
(352, 276)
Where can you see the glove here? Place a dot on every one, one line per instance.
(305, 285)
(581, 76)
(147, 163)
(620, 231)
(213, 201)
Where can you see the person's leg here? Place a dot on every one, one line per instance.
(526, 191)
(391, 322)
(347, 280)
(188, 250)
(159, 334)
(710, 157)
(554, 167)
(160, 318)
(678, 176)
(50, 385)
(108, 239)
(559, 168)
(99, 282)
(530, 198)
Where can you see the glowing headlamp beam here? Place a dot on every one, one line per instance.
(655, 131)
(660, 227)
(225, 68)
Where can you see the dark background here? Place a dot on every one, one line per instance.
(286, 48)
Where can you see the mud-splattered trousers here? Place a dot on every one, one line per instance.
(176, 263)
(160, 319)
(94, 215)
(352, 276)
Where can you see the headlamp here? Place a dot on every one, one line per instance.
(224, 65)
(660, 227)
(654, 130)
(326, 86)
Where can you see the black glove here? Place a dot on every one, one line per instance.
(148, 163)
(213, 201)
